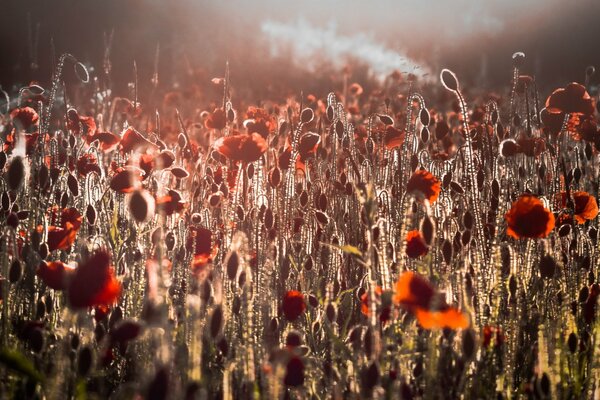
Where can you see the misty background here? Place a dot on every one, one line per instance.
(274, 38)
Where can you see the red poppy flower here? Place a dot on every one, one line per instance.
(394, 137)
(294, 372)
(200, 241)
(80, 125)
(415, 245)
(586, 207)
(424, 185)
(55, 274)
(416, 295)
(126, 180)
(572, 99)
(293, 305)
(94, 283)
(259, 121)
(62, 237)
(88, 163)
(531, 147)
(242, 147)
(108, 141)
(132, 140)
(24, 118)
(171, 203)
(528, 218)
(216, 120)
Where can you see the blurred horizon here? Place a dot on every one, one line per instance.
(476, 39)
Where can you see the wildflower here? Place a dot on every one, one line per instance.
(108, 141)
(259, 121)
(94, 282)
(55, 274)
(586, 207)
(528, 218)
(242, 147)
(88, 163)
(424, 185)
(132, 140)
(293, 305)
(63, 236)
(572, 99)
(216, 120)
(415, 245)
(126, 180)
(24, 118)
(416, 295)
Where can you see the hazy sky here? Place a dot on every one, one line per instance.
(473, 37)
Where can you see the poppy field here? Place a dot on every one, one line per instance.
(394, 238)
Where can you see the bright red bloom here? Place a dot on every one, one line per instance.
(528, 218)
(62, 237)
(293, 305)
(415, 245)
(417, 296)
(94, 283)
(24, 118)
(242, 147)
(55, 274)
(424, 185)
(586, 207)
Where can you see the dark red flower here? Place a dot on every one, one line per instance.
(24, 118)
(94, 283)
(171, 203)
(132, 140)
(55, 274)
(63, 236)
(242, 147)
(108, 141)
(394, 137)
(259, 121)
(528, 218)
(88, 163)
(216, 120)
(294, 372)
(415, 245)
(586, 207)
(572, 99)
(80, 125)
(293, 305)
(126, 180)
(424, 185)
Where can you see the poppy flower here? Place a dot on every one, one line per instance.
(62, 237)
(293, 305)
(424, 185)
(80, 125)
(586, 207)
(88, 163)
(55, 274)
(572, 99)
(94, 283)
(126, 180)
(108, 141)
(393, 137)
(415, 294)
(216, 120)
(242, 147)
(200, 241)
(132, 140)
(294, 372)
(415, 245)
(531, 147)
(259, 121)
(24, 118)
(528, 218)
(171, 203)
